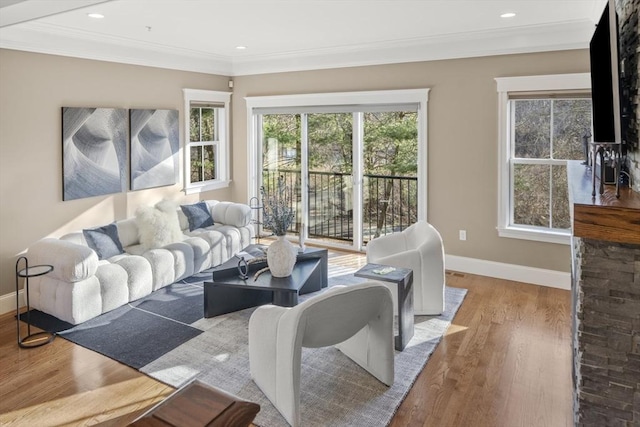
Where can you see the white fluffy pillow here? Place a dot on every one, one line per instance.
(158, 225)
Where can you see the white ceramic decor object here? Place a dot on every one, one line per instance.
(281, 257)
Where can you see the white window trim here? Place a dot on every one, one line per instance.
(419, 96)
(505, 85)
(222, 152)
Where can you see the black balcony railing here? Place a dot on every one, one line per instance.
(389, 202)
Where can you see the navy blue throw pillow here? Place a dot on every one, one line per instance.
(104, 240)
(198, 215)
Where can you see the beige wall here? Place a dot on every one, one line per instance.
(463, 140)
(33, 88)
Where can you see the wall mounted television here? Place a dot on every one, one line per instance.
(605, 78)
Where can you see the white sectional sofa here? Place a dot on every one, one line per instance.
(82, 286)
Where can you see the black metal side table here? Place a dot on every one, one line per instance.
(39, 338)
(254, 204)
(403, 278)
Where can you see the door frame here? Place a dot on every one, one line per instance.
(305, 103)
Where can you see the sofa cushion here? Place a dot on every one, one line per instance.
(113, 286)
(104, 240)
(71, 262)
(78, 238)
(139, 275)
(128, 232)
(162, 266)
(198, 215)
(158, 225)
(217, 244)
(229, 213)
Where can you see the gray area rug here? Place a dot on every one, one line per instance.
(334, 390)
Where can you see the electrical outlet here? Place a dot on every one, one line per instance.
(463, 234)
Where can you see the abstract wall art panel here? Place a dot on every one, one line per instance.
(154, 148)
(94, 151)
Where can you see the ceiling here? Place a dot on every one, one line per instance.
(291, 35)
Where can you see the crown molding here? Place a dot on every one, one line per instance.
(50, 39)
(55, 40)
(540, 38)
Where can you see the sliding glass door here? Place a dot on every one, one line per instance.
(282, 160)
(352, 172)
(330, 177)
(390, 172)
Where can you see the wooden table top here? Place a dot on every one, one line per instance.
(603, 217)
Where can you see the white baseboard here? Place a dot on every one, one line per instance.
(499, 270)
(8, 302)
(517, 273)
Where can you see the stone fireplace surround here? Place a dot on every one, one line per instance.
(606, 303)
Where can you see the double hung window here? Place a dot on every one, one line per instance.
(544, 121)
(206, 146)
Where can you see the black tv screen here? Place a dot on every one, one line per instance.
(605, 79)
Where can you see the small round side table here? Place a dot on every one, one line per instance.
(39, 338)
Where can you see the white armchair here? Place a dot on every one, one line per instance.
(418, 247)
(359, 318)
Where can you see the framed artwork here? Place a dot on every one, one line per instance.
(154, 148)
(94, 151)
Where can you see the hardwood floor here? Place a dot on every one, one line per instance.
(505, 361)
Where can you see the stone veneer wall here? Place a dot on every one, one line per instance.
(628, 11)
(607, 333)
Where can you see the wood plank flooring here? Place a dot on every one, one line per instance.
(505, 361)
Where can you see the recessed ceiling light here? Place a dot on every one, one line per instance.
(508, 15)
(95, 15)
(241, 47)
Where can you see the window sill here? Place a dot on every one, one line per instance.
(524, 233)
(208, 186)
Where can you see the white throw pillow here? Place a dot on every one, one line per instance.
(158, 225)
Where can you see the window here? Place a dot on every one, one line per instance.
(544, 121)
(355, 162)
(206, 147)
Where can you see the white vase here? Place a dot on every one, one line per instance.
(281, 257)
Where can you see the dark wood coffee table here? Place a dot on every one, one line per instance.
(227, 292)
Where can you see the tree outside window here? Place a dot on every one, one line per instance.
(206, 148)
(389, 167)
(545, 132)
(202, 138)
